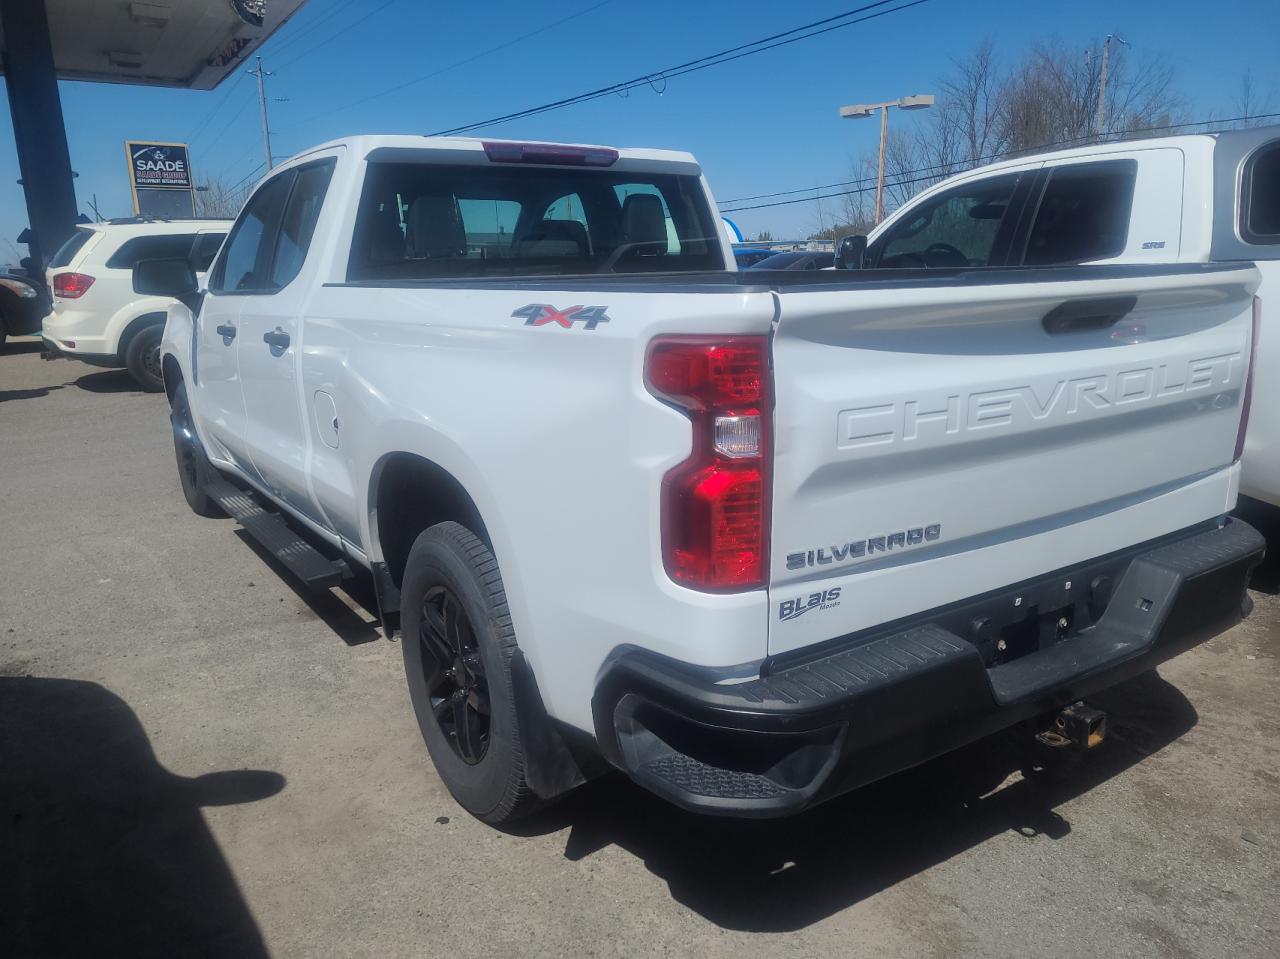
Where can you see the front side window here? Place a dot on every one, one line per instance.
(1083, 213)
(246, 258)
(1260, 203)
(957, 229)
(425, 221)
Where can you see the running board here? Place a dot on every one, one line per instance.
(271, 531)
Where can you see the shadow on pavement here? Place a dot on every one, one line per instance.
(105, 852)
(1266, 520)
(109, 381)
(31, 394)
(783, 875)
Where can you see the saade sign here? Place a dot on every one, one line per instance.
(160, 176)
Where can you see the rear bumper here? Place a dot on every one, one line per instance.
(53, 349)
(873, 706)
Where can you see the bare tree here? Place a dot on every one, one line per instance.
(1051, 97)
(985, 112)
(967, 128)
(217, 199)
(1250, 102)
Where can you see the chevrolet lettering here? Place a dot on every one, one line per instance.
(929, 421)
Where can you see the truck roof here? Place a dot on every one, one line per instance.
(368, 143)
(1183, 141)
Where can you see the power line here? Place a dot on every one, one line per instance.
(245, 177)
(829, 196)
(952, 167)
(854, 182)
(234, 117)
(338, 34)
(339, 7)
(223, 100)
(453, 66)
(794, 35)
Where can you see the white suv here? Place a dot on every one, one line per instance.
(97, 317)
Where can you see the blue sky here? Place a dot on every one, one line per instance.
(760, 124)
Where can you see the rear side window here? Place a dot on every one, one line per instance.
(1083, 213)
(66, 253)
(957, 229)
(426, 221)
(205, 249)
(1260, 201)
(162, 247)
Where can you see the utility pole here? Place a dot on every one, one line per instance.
(884, 135)
(1099, 124)
(259, 74)
(919, 101)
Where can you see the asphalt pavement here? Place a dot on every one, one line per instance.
(198, 759)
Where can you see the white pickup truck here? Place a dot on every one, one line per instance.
(1205, 198)
(754, 539)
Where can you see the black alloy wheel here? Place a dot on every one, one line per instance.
(195, 472)
(184, 443)
(455, 676)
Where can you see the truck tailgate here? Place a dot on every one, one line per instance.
(936, 440)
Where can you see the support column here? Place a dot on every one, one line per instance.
(38, 129)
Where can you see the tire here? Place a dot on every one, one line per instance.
(142, 358)
(194, 469)
(453, 604)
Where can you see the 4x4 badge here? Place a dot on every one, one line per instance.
(540, 314)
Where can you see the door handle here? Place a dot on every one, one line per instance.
(277, 339)
(1078, 316)
(226, 331)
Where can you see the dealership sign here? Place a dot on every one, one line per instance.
(160, 176)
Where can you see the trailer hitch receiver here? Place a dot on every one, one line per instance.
(1077, 727)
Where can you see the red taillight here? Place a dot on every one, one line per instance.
(71, 286)
(715, 505)
(499, 151)
(1247, 400)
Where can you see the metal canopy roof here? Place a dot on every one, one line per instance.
(166, 43)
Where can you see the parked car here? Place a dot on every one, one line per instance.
(753, 539)
(23, 304)
(1205, 198)
(797, 260)
(749, 256)
(97, 317)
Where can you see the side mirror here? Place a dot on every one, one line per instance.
(173, 277)
(850, 252)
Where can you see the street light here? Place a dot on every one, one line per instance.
(858, 111)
